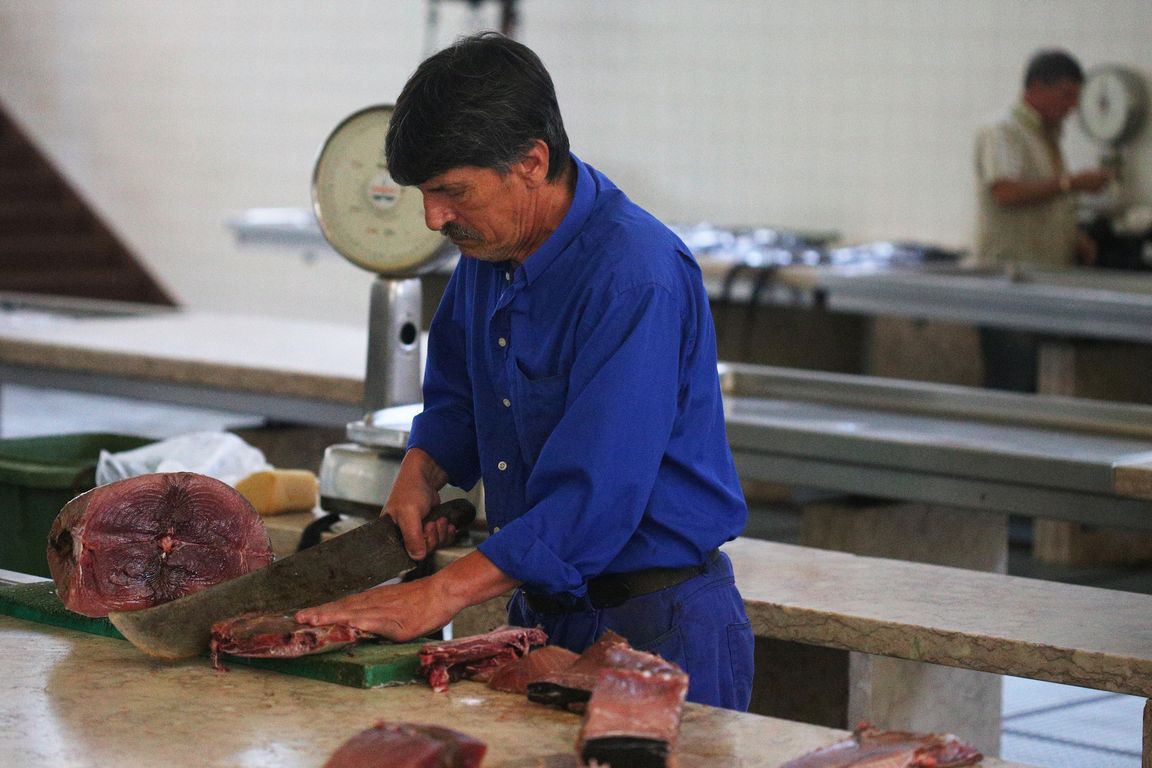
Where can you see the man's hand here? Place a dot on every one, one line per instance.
(1090, 181)
(415, 492)
(405, 611)
(398, 612)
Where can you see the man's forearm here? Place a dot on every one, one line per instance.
(410, 609)
(471, 580)
(1011, 193)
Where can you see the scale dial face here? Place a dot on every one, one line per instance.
(367, 217)
(1112, 104)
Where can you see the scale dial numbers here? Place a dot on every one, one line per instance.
(364, 214)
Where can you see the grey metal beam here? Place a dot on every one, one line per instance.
(952, 446)
(1073, 303)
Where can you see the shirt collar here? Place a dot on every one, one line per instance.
(582, 201)
(1031, 119)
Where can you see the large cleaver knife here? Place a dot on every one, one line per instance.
(351, 562)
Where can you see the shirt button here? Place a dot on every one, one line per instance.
(502, 466)
(507, 275)
(496, 529)
(507, 403)
(502, 341)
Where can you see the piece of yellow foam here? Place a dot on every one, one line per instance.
(275, 491)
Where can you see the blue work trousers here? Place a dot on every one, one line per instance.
(699, 625)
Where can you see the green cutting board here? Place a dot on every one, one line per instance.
(365, 665)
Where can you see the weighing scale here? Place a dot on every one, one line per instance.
(1113, 106)
(377, 225)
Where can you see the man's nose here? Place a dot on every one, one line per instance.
(436, 215)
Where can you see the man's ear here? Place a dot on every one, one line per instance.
(532, 166)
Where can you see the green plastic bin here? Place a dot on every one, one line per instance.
(38, 476)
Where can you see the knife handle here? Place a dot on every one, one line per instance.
(458, 512)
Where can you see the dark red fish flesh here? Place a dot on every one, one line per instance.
(475, 657)
(408, 745)
(266, 636)
(516, 675)
(143, 541)
(874, 748)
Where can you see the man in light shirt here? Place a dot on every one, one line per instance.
(1026, 193)
(1027, 200)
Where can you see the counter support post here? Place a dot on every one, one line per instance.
(910, 695)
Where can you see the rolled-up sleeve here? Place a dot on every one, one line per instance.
(998, 156)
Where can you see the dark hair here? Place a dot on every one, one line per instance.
(482, 101)
(1052, 66)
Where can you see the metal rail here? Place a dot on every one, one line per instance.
(1073, 302)
(953, 446)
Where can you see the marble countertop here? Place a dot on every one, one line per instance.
(1062, 633)
(243, 352)
(81, 700)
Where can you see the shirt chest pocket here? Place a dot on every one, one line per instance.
(537, 406)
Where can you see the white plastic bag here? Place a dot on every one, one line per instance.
(221, 455)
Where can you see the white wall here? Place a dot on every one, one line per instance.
(855, 115)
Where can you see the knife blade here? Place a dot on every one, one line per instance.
(351, 562)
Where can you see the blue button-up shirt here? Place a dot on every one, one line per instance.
(582, 387)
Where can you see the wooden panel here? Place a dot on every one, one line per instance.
(51, 241)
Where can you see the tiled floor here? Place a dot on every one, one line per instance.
(1044, 724)
(1067, 727)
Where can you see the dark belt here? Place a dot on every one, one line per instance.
(613, 589)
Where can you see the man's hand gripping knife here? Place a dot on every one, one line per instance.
(408, 610)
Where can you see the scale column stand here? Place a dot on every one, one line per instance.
(393, 369)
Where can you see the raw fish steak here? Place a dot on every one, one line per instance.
(633, 718)
(873, 748)
(408, 745)
(275, 635)
(570, 688)
(515, 675)
(143, 541)
(475, 657)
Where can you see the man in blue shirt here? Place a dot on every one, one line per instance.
(572, 367)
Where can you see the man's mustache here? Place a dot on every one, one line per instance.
(454, 231)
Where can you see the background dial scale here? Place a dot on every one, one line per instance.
(367, 217)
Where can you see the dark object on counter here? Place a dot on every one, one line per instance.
(408, 745)
(476, 657)
(267, 636)
(899, 749)
(887, 253)
(1011, 359)
(147, 540)
(1120, 251)
(633, 718)
(571, 688)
